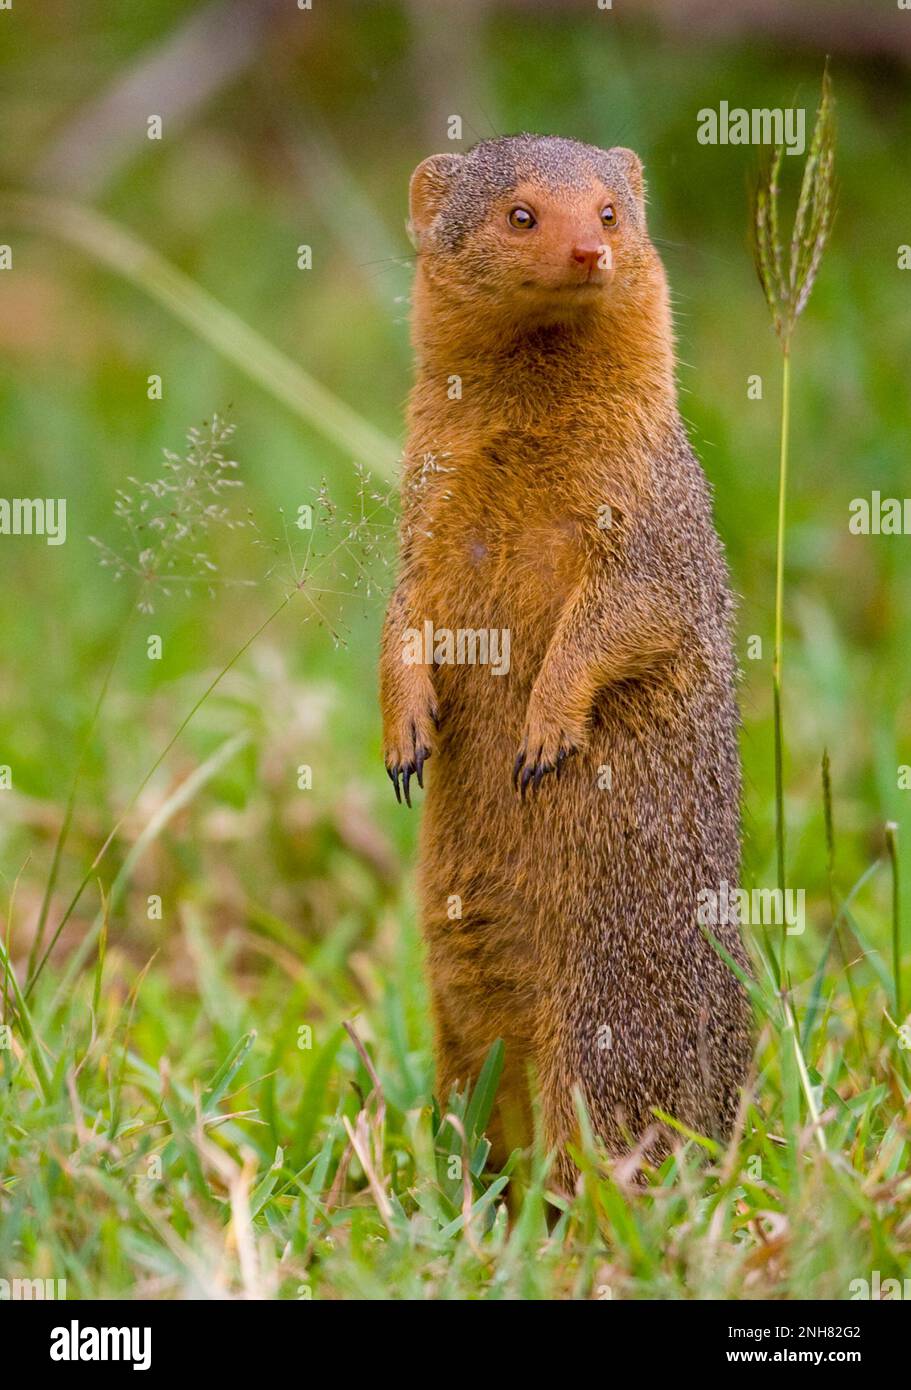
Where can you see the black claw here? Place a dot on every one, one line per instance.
(413, 768)
(517, 768)
(531, 774)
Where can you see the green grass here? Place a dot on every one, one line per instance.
(162, 1132)
(249, 1113)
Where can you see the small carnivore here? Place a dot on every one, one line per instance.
(578, 802)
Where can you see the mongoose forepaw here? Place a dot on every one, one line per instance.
(407, 758)
(530, 772)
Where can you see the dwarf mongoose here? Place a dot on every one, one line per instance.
(582, 789)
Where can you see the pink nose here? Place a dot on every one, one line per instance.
(587, 254)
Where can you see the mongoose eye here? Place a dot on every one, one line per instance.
(608, 215)
(522, 218)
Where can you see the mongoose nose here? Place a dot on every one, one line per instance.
(587, 254)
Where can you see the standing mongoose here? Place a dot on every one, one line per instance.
(578, 801)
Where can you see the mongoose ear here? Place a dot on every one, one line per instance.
(631, 168)
(430, 183)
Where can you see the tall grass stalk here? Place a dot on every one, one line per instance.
(787, 278)
(779, 643)
(892, 845)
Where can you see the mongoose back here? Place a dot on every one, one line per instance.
(554, 515)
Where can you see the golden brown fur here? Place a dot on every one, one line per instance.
(577, 941)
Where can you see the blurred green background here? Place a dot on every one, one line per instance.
(284, 127)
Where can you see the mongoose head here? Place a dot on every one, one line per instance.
(533, 227)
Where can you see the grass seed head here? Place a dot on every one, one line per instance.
(787, 275)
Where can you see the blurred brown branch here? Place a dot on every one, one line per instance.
(858, 30)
